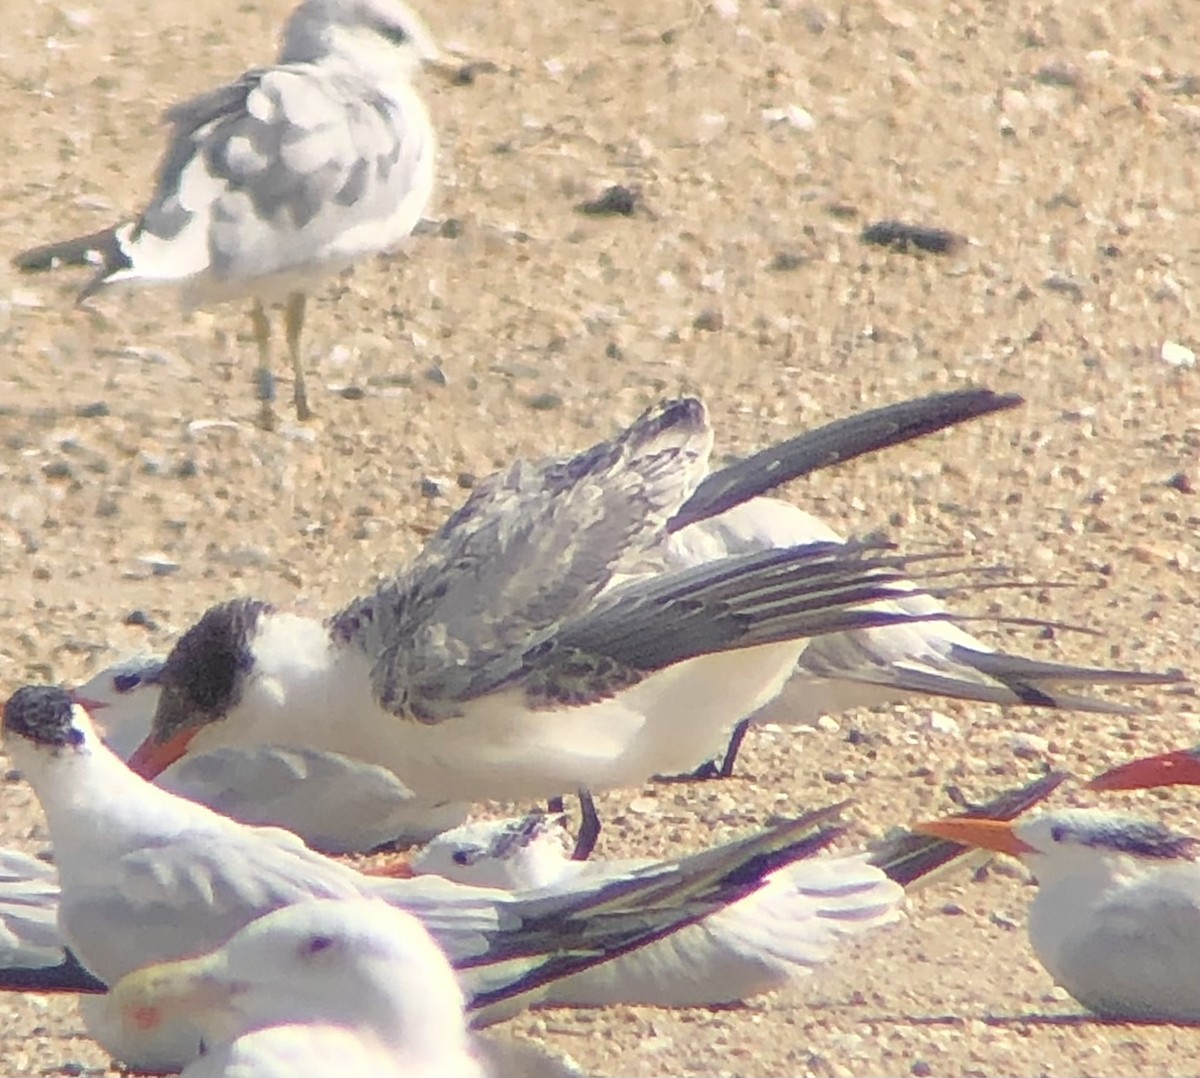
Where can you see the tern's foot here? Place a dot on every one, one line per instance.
(303, 411)
(706, 772)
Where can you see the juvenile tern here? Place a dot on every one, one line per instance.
(537, 646)
(290, 173)
(146, 876)
(1116, 918)
(772, 938)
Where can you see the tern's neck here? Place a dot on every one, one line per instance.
(1070, 887)
(300, 685)
(90, 796)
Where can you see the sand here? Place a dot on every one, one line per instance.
(762, 138)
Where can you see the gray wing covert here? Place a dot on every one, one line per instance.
(530, 547)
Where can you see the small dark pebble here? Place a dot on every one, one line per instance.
(56, 469)
(352, 393)
(617, 201)
(1181, 482)
(612, 350)
(465, 480)
(451, 228)
(468, 73)
(709, 321)
(545, 402)
(920, 1069)
(13, 775)
(786, 261)
(187, 468)
(904, 237)
(141, 619)
(95, 410)
(435, 374)
(431, 488)
(107, 507)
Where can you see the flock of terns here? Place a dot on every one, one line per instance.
(582, 623)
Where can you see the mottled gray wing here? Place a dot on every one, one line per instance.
(650, 624)
(530, 547)
(291, 151)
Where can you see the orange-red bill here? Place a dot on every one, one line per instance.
(86, 702)
(995, 835)
(1178, 768)
(398, 867)
(151, 758)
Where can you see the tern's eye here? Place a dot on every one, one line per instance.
(315, 945)
(397, 35)
(126, 682)
(464, 857)
(1058, 833)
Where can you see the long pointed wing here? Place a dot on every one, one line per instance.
(835, 443)
(738, 602)
(909, 858)
(574, 926)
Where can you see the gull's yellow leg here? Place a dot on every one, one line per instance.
(264, 384)
(293, 324)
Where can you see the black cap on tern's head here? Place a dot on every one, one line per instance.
(203, 676)
(44, 715)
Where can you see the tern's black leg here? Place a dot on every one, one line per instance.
(735, 746)
(589, 827)
(710, 769)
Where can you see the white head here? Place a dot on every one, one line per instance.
(357, 964)
(516, 854)
(373, 37)
(122, 699)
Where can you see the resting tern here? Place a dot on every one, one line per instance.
(290, 173)
(146, 876)
(770, 939)
(1116, 919)
(503, 664)
(871, 667)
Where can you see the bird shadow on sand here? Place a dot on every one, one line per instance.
(1036, 1018)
